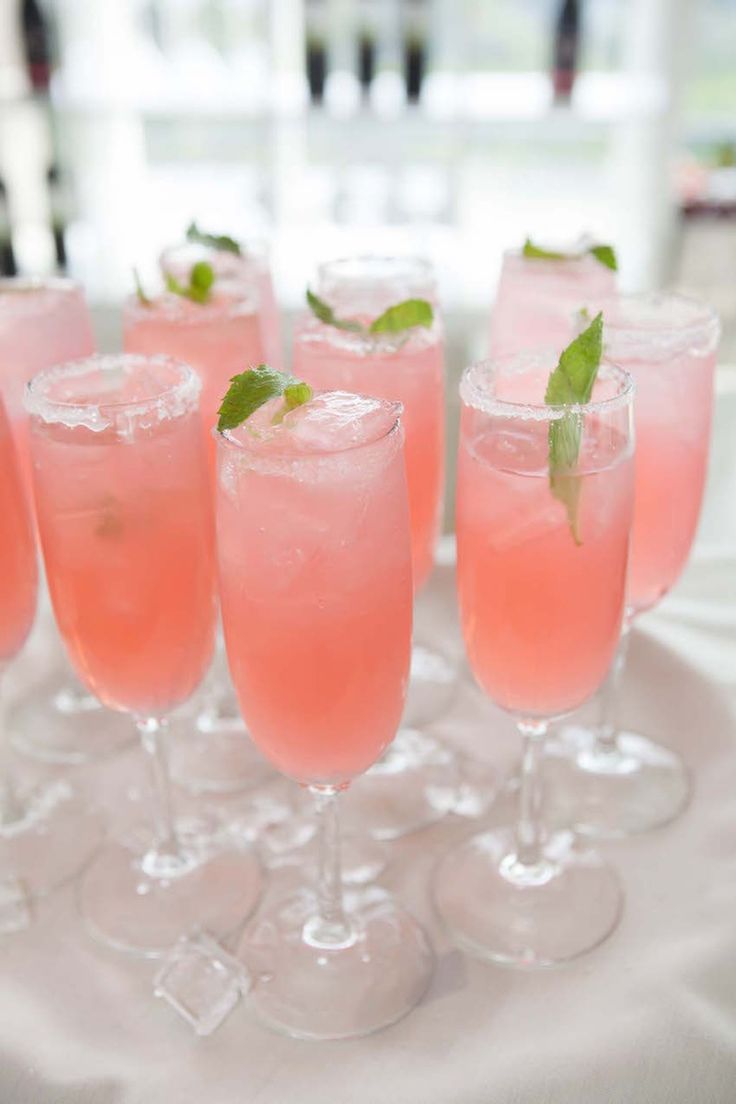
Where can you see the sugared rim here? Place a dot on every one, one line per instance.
(180, 395)
(228, 301)
(24, 284)
(477, 388)
(226, 439)
(582, 259)
(377, 266)
(627, 333)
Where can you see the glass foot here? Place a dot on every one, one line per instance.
(58, 721)
(526, 916)
(206, 758)
(612, 792)
(432, 685)
(129, 910)
(313, 992)
(397, 795)
(49, 837)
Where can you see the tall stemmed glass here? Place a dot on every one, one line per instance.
(124, 514)
(219, 338)
(407, 367)
(316, 593)
(47, 834)
(44, 322)
(537, 298)
(612, 781)
(541, 603)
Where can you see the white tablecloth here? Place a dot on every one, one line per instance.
(648, 1018)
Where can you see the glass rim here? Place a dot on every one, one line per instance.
(37, 403)
(473, 394)
(413, 263)
(704, 324)
(253, 247)
(224, 438)
(229, 300)
(516, 253)
(38, 283)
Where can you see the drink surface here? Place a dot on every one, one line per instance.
(219, 339)
(315, 582)
(18, 574)
(409, 371)
(541, 615)
(537, 300)
(123, 507)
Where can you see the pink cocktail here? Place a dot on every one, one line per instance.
(124, 514)
(316, 593)
(541, 600)
(18, 574)
(537, 300)
(219, 339)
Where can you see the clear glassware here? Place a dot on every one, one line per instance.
(316, 597)
(537, 299)
(46, 834)
(394, 797)
(212, 752)
(541, 611)
(44, 322)
(123, 504)
(611, 781)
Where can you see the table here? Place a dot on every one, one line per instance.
(648, 1018)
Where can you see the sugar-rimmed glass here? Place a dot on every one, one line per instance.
(541, 605)
(43, 322)
(316, 594)
(124, 514)
(611, 781)
(396, 796)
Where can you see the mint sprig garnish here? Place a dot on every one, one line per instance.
(396, 319)
(143, 299)
(606, 254)
(222, 243)
(250, 390)
(571, 384)
(201, 279)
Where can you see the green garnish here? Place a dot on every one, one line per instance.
(397, 319)
(221, 242)
(201, 279)
(603, 253)
(143, 299)
(571, 383)
(250, 390)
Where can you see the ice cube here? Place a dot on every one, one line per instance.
(15, 906)
(202, 982)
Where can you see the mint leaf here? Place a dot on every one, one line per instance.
(571, 383)
(221, 242)
(606, 254)
(403, 316)
(324, 312)
(143, 299)
(201, 279)
(250, 390)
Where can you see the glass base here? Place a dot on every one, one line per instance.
(498, 910)
(319, 992)
(207, 757)
(433, 684)
(129, 910)
(608, 793)
(59, 721)
(397, 795)
(48, 838)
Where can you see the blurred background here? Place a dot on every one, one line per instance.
(450, 127)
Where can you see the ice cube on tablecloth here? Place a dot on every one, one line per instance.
(201, 981)
(15, 906)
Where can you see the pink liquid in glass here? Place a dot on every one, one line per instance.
(42, 323)
(668, 343)
(219, 339)
(541, 615)
(18, 574)
(315, 582)
(537, 300)
(123, 506)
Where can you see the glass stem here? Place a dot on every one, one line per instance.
(529, 824)
(330, 927)
(10, 807)
(609, 697)
(164, 858)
